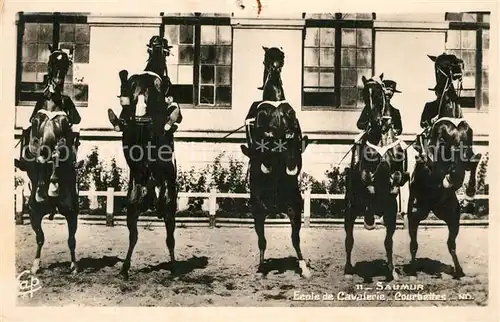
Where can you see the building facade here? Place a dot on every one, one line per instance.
(216, 68)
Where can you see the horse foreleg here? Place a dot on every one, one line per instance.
(132, 216)
(296, 221)
(349, 241)
(470, 190)
(259, 220)
(36, 223)
(453, 229)
(413, 222)
(72, 220)
(390, 224)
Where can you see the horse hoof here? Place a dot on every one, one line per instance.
(124, 275)
(370, 227)
(306, 273)
(395, 275)
(73, 268)
(459, 274)
(36, 266)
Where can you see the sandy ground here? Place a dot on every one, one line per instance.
(218, 267)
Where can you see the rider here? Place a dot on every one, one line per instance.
(74, 119)
(365, 117)
(173, 109)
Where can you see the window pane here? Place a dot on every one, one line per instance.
(319, 98)
(29, 72)
(468, 93)
(208, 35)
(172, 34)
(469, 58)
(364, 38)
(327, 57)
(486, 58)
(82, 33)
(348, 57)
(207, 54)
(81, 54)
(223, 95)
(348, 37)
(349, 76)
(486, 98)
(223, 75)
(186, 34)
(224, 35)
(485, 80)
(469, 79)
(327, 37)
(223, 55)
(486, 39)
(363, 72)
(172, 73)
(43, 52)
(453, 39)
(311, 76)
(469, 17)
(312, 37)
(185, 75)
(206, 94)
(45, 33)
(364, 58)
(358, 16)
(182, 94)
(30, 32)
(311, 56)
(30, 53)
(207, 74)
(349, 97)
(67, 33)
(468, 39)
(327, 79)
(186, 54)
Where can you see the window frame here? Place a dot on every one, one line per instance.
(338, 23)
(477, 26)
(197, 21)
(56, 19)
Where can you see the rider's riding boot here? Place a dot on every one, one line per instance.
(21, 163)
(115, 121)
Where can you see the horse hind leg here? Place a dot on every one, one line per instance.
(72, 220)
(259, 220)
(390, 223)
(453, 229)
(296, 221)
(136, 198)
(167, 206)
(36, 217)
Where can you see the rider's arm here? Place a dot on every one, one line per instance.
(70, 108)
(398, 126)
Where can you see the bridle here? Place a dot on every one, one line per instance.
(448, 85)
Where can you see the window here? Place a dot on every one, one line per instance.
(337, 52)
(468, 38)
(201, 66)
(36, 33)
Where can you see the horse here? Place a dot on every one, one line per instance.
(49, 158)
(152, 182)
(374, 180)
(274, 147)
(448, 155)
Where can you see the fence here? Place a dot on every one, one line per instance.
(212, 196)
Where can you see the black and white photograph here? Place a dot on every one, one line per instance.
(251, 158)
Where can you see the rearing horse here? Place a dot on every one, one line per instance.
(275, 147)
(447, 156)
(148, 145)
(50, 167)
(374, 181)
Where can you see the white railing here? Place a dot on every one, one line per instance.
(212, 197)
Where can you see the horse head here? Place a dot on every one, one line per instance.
(274, 60)
(57, 68)
(448, 69)
(375, 99)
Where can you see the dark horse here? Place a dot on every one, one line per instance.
(375, 179)
(275, 147)
(49, 158)
(149, 147)
(448, 155)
